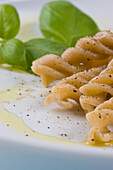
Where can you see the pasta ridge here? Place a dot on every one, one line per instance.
(68, 88)
(98, 89)
(99, 119)
(75, 59)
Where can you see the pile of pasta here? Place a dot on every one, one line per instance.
(86, 73)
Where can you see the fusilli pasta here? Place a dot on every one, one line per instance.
(51, 67)
(99, 119)
(84, 56)
(98, 89)
(68, 88)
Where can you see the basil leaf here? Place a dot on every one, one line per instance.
(39, 47)
(18, 54)
(9, 22)
(13, 52)
(62, 22)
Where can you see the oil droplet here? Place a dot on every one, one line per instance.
(99, 143)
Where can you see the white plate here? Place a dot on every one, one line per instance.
(21, 152)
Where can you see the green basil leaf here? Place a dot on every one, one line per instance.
(13, 52)
(21, 55)
(39, 47)
(64, 23)
(9, 22)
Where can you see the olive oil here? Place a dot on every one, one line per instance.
(17, 93)
(14, 94)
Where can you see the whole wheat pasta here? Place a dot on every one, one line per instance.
(83, 57)
(99, 119)
(68, 88)
(98, 89)
(51, 67)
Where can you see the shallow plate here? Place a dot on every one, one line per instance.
(61, 129)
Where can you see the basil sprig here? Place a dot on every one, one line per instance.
(14, 51)
(61, 23)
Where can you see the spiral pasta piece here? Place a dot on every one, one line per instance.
(99, 119)
(68, 88)
(98, 89)
(51, 67)
(83, 57)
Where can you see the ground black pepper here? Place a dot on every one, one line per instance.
(99, 115)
